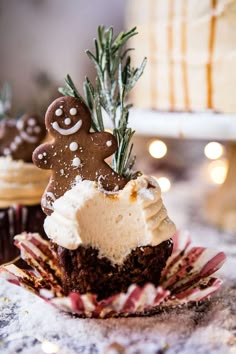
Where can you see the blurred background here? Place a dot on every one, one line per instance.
(42, 40)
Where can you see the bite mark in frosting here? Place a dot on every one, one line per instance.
(115, 223)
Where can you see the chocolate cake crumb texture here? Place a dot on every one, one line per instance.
(83, 271)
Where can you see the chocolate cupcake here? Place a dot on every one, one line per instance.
(106, 242)
(21, 183)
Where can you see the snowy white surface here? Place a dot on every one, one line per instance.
(210, 327)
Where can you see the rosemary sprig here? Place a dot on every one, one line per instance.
(5, 99)
(115, 79)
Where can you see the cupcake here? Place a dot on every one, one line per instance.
(108, 232)
(110, 243)
(107, 223)
(107, 241)
(22, 184)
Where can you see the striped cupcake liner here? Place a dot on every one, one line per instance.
(187, 278)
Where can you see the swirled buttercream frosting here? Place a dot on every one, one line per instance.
(21, 182)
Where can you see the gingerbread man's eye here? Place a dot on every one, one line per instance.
(58, 112)
(73, 111)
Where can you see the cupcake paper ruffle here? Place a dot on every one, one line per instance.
(187, 278)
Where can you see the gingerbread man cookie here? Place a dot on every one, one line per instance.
(75, 154)
(19, 138)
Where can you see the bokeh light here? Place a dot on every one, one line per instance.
(157, 149)
(164, 183)
(214, 150)
(218, 171)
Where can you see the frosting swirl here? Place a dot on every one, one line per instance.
(21, 182)
(114, 223)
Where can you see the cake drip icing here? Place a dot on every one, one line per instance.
(114, 223)
(20, 182)
(190, 47)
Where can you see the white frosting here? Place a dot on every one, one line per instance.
(13, 146)
(58, 112)
(109, 143)
(31, 122)
(6, 151)
(114, 223)
(76, 162)
(18, 140)
(67, 121)
(191, 52)
(73, 111)
(67, 131)
(21, 182)
(37, 129)
(20, 124)
(29, 130)
(28, 138)
(73, 146)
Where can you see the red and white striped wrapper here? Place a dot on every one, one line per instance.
(186, 278)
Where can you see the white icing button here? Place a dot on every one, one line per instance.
(67, 121)
(44, 154)
(76, 162)
(73, 111)
(40, 156)
(58, 112)
(31, 122)
(73, 146)
(78, 179)
(109, 143)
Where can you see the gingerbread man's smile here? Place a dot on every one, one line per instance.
(68, 131)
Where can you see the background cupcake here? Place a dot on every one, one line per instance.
(21, 183)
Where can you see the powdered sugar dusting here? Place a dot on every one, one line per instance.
(206, 328)
(182, 330)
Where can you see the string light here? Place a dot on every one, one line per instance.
(157, 149)
(214, 150)
(218, 171)
(164, 183)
